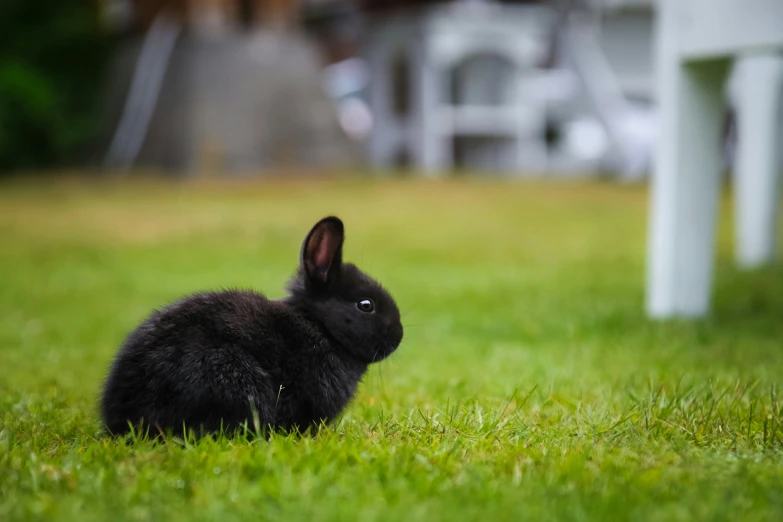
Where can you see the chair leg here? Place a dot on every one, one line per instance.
(685, 188)
(757, 173)
(382, 143)
(430, 147)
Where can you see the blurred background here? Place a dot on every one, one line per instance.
(242, 87)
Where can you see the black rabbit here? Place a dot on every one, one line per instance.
(233, 358)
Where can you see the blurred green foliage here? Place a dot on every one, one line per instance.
(52, 58)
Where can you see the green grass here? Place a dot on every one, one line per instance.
(529, 385)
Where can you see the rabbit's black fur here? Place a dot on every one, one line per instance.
(222, 359)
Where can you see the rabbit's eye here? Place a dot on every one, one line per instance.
(366, 306)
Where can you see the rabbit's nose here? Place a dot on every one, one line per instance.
(396, 333)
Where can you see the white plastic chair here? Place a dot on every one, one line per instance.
(434, 41)
(697, 42)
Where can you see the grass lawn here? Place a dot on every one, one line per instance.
(529, 385)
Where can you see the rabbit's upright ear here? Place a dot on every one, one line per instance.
(322, 252)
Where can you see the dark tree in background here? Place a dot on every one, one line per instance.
(52, 59)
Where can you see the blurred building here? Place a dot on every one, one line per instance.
(540, 86)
